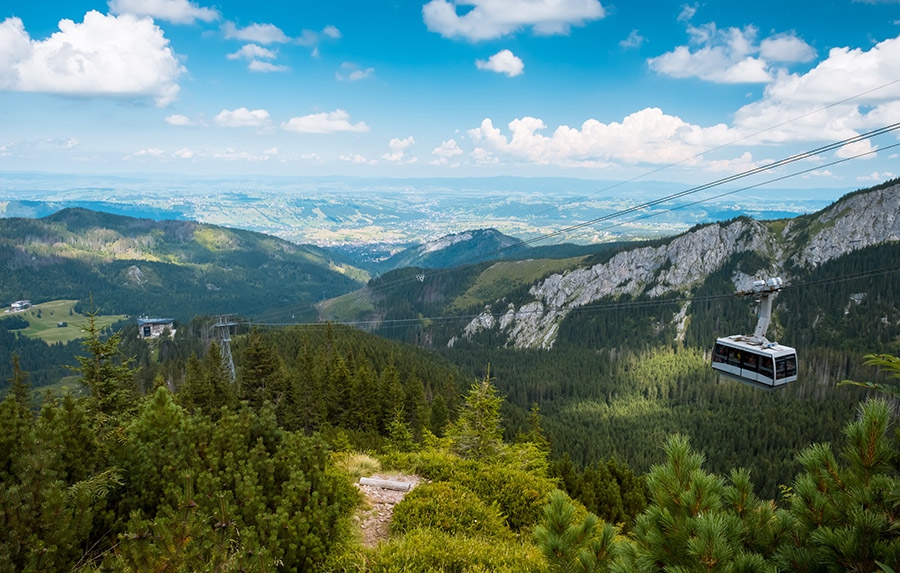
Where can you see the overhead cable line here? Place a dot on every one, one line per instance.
(730, 143)
(648, 204)
(672, 196)
(586, 308)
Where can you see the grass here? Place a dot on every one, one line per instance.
(67, 385)
(43, 321)
(500, 278)
(356, 465)
(348, 307)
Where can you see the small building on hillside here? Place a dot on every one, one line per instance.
(20, 305)
(153, 327)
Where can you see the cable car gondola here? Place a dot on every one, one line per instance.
(753, 359)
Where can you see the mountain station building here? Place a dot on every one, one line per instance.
(154, 327)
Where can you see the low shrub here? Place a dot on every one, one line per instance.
(520, 495)
(450, 508)
(437, 551)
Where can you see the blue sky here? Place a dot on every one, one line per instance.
(405, 88)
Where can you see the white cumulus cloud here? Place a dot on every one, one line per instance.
(804, 106)
(175, 11)
(257, 55)
(330, 122)
(258, 33)
(398, 148)
(645, 137)
(357, 158)
(487, 19)
(446, 151)
(352, 73)
(147, 153)
(253, 52)
(876, 176)
(232, 154)
(105, 55)
(178, 119)
(242, 117)
(786, 48)
(731, 56)
(184, 153)
(503, 62)
(311, 38)
(259, 66)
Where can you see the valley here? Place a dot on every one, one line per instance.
(598, 354)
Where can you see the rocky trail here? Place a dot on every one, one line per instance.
(375, 521)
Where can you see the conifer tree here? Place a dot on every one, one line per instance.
(478, 433)
(105, 372)
(570, 544)
(18, 383)
(848, 514)
(439, 415)
(219, 380)
(399, 432)
(262, 374)
(698, 522)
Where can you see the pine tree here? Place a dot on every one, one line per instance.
(848, 514)
(262, 374)
(570, 544)
(698, 522)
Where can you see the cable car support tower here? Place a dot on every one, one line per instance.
(223, 333)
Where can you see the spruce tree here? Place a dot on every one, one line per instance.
(18, 383)
(105, 372)
(478, 433)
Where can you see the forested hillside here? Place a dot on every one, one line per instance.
(196, 472)
(165, 268)
(630, 367)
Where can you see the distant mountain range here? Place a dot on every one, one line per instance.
(534, 303)
(384, 216)
(491, 284)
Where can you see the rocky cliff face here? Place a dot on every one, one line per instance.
(855, 222)
(860, 220)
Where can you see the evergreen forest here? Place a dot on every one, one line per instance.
(618, 449)
(166, 463)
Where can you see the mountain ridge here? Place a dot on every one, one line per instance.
(854, 222)
(174, 268)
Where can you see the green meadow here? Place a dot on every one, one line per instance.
(44, 321)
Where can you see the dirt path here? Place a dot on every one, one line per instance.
(375, 521)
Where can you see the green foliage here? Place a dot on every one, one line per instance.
(520, 494)
(401, 437)
(450, 508)
(477, 433)
(270, 491)
(105, 372)
(608, 489)
(170, 268)
(890, 365)
(18, 383)
(438, 552)
(697, 521)
(846, 513)
(573, 543)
